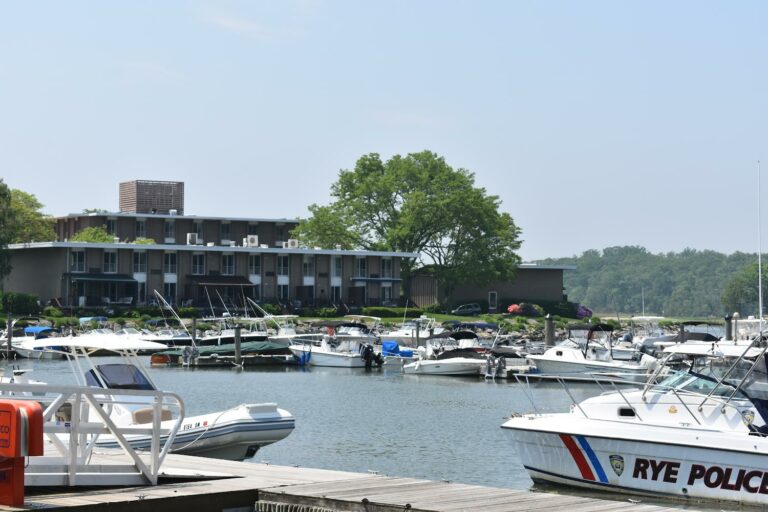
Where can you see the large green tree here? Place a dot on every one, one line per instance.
(6, 229)
(418, 203)
(30, 224)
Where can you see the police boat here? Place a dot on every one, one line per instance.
(696, 430)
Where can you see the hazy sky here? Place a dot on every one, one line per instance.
(596, 123)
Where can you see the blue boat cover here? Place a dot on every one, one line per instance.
(390, 348)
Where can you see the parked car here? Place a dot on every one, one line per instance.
(473, 308)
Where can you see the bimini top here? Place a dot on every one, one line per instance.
(113, 343)
(713, 350)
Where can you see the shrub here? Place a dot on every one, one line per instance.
(189, 312)
(383, 312)
(52, 311)
(19, 303)
(433, 308)
(272, 309)
(65, 321)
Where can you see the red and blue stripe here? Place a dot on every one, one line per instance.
(585, 458)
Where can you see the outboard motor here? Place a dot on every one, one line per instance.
(367, 355)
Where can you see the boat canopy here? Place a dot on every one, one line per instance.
(37, 329)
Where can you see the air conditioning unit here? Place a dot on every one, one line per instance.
(232, 243)
(292, 243)
(191, 238)
(251, 241)
(210, 244)
(173, 212)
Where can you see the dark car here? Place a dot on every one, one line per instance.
(473, 308)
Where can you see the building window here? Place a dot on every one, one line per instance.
(361, 267)
(254, 264)
(309, 265)
(139, 262)
(141, 228)
(225, 231)
(142, 298)
(110, 262)
(169, 292)
(282, 292)
(335, 294)
(78, 261)
(256, 292)
(199, 231)
(282, 265)
(170, 232)
(228, 264)
(337, 268)
(169, 263)
(110, 226)
(386, 294)
(386, 267)
(198, 264)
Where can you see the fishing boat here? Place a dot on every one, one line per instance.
(696, 429)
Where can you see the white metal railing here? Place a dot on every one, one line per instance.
(718, 402)
(75, 418)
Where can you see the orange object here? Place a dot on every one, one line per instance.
(21, 434)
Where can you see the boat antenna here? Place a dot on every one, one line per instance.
(210, 304)
(164, 305)
(223, 303)
(261, 310)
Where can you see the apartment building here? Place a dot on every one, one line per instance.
(197, 261)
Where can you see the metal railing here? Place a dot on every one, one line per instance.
(76, 418)
(525, 382)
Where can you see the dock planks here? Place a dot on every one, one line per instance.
(196, 484)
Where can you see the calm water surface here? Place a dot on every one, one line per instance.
(437, 428)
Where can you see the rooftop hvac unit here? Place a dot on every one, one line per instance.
(191, 238)
(116, 239)
(232, 243)
(210, 244)
(173, 212)
(251, 241)
(293, 243)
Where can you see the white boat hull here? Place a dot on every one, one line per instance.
(234, 434)
(567, 367)
(650, 460)
(319, 357)
(452, 366)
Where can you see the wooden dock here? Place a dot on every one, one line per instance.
(196, 484)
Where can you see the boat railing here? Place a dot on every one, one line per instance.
(75, 417)
(677, 393)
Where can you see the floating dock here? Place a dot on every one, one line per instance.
(192, 484)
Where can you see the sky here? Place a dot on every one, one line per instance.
(596, 123)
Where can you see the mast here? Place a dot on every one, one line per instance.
(759, 256)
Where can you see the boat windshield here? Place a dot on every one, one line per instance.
(118, 376)
(704, 374)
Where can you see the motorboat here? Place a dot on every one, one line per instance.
(436, 360)
(335, 352)
(413, 330)
(698, 432)
(577, 358)
(38, 342)
(235, 433)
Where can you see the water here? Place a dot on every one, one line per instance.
(431, 427)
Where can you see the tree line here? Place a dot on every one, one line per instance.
(691, 283)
